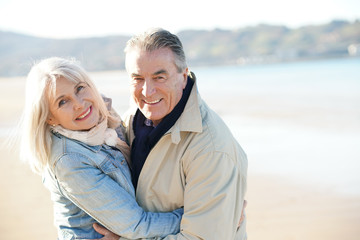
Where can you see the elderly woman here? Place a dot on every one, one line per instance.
(75, 142)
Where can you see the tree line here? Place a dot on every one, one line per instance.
(249, 45)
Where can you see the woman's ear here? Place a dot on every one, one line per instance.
(51, 121)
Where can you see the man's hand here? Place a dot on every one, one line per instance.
(242, 213)
(107, 234)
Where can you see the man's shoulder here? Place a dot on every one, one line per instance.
(213, 124)
(215, 133)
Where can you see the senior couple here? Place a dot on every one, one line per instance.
(171, 169)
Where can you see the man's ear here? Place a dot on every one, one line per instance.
(185, 75)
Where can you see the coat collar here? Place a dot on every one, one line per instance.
(190, 120)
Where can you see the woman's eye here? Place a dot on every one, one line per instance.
(79, 88)
(61, 102)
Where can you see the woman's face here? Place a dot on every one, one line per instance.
(73, 106)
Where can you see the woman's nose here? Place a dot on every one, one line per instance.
(78, 103)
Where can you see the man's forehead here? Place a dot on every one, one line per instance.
(149, 65)
(139, 54)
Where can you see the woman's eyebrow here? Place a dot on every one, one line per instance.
(58, 98)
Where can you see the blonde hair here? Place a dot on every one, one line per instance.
(35, 145)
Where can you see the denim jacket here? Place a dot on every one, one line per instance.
(93, 184)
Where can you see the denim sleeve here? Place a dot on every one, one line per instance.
(109, 203)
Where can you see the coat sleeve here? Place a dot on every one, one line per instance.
(213, 199)
(109, 203)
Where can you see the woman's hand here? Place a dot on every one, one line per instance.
(112, 236)
(107, 234)
(242, 213)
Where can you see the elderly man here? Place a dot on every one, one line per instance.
(182, 153)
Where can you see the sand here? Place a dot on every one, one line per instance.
(277, 207)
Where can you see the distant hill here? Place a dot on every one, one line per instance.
(256, 44)
(18, 52)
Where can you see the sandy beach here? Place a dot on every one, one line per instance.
(278, 208)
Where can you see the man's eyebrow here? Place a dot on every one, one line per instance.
(135, 75)
(160, 72)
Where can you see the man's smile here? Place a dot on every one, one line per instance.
(152, 102)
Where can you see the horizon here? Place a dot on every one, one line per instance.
(129, 35)
(84, 19)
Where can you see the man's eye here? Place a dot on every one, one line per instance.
(159, 77)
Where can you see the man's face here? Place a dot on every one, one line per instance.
(156, 84)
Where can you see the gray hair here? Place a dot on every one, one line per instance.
(158, 38)
(40, 85)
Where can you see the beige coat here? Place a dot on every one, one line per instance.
(199, 165)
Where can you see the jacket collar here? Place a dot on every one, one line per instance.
(95, 148)
(190, 120)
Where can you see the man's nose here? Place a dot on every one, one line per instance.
(148, 88)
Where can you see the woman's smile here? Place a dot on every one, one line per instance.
(85, 114)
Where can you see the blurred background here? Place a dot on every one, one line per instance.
(284, 76)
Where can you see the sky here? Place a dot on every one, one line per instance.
(88, 18)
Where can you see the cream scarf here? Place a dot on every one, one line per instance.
(98, 135)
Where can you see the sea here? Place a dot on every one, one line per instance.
(298, 120)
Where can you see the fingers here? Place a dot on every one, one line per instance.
(242, 213)
(100, 229)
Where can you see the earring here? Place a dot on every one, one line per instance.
(53, 125)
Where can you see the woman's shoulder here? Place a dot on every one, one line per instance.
(66, 148)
